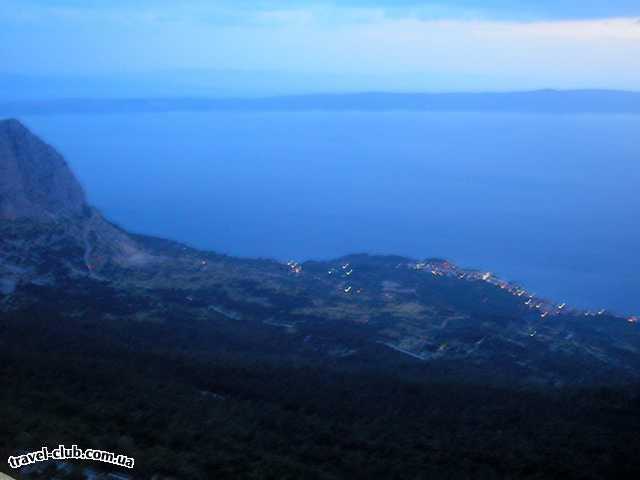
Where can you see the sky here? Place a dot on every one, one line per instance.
(298, 46)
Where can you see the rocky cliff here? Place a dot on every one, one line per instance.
(35, 181)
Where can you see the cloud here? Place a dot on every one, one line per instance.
(355, 42)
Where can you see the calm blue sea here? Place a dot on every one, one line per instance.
(552, 201)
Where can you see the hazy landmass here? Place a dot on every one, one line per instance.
(539, 101)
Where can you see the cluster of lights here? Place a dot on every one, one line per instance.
(294, 267)
(346, 270)
(446, 269)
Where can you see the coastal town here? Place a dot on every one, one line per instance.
(442, 268)
(544, 307)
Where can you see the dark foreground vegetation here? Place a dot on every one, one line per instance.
(192, 402)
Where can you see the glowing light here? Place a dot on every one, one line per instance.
(294, 266)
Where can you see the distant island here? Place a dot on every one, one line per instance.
(538, 101)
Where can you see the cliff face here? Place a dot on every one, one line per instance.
(35, 181)
(44, 216)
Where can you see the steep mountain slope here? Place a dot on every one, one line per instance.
(59, 254)
(35, 181)
(44, 213)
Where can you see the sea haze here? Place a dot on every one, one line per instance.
(549, 200)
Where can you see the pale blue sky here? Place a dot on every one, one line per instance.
(249, 46)
(513, 9)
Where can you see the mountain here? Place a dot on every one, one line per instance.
(538, 101)
(430, 311)
(44, 213)
(35, 181)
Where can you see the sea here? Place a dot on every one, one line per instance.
(549, 201)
